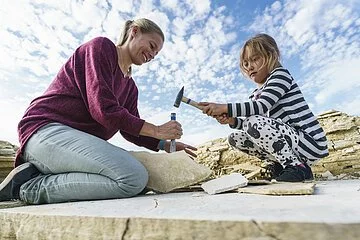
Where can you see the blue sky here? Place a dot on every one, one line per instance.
(319, 42)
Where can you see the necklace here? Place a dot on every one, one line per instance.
(123, 68)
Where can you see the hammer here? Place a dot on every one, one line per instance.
(180, 98)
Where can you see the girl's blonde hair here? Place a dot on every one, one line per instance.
(145, 26)
(264, 46)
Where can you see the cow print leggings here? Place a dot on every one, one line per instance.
(268, 139)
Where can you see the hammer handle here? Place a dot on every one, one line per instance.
(191, 102)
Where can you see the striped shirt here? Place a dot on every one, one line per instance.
(280, 98)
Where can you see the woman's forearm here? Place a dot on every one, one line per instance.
(149, 130)
(169, 130)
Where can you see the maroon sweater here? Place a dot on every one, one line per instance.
(91, 94)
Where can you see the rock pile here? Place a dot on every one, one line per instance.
(7, 155)
(343, 134)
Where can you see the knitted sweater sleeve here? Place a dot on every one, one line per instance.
(99, 63)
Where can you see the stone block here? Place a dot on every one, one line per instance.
(281, 189)
(225, 183)
(169, 171)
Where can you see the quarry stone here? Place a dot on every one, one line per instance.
(281, 189)
(225, 183)
(331, 213)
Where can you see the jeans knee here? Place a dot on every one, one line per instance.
(135, 181)
(142, 180)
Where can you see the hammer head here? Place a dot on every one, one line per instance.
(179, 97)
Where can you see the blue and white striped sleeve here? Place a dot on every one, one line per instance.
(278, 83)
(238, 123)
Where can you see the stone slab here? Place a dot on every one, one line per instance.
(225, 183)
(169, 171)
(332, 213)
(280, 189)
(12, 204)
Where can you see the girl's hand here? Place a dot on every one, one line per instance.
(224, 119)
(181, 146)
(213, 109)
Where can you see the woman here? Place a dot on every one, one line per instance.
(63, 154)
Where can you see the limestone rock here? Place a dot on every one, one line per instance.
(343, 134)
(7, 155)
(12, 204)
(225, 183)
(169, 171)
(281, 189)
(225, 159)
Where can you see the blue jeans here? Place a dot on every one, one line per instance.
(78, 166)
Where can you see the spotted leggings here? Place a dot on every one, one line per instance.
(268, 139)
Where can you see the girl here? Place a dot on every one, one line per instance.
(276, 124)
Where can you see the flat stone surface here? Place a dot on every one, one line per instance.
(333, 202)
(281, 188)
(225, 183)
(12, 204)
(332, 212)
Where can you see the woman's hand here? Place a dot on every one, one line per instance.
(169, 130)
(213, 109)
(181, 146)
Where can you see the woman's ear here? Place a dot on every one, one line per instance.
(134, 31)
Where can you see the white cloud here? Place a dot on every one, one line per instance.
(341, 77)
(199, 7)
(350, 107)
(169, 4)
(201, 52)
(181, 25)
(11, 112)
(325, 38)
(125, 6)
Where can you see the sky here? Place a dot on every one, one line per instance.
(319, 43)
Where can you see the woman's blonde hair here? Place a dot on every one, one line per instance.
(264, 46)
(145, 26)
